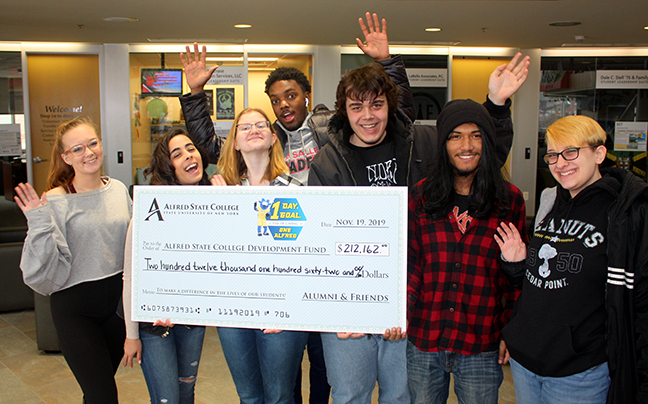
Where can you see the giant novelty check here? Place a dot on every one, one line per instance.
(292, 258)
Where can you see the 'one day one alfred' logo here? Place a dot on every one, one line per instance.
(277, 218)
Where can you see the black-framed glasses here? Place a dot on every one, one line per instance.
(246, 127)
(79, 149)
(569, 154)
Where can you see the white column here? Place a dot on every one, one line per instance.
(327, 62)
(526, 104)
(115, 117)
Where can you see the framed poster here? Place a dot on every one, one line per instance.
(225, 103)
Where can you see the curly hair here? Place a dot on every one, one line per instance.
(161, 168)
(231, 164)
(60, 173)
(366, 83)
(287, 73)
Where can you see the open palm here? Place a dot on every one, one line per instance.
(195, 68)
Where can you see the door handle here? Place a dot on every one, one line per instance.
(38, 160)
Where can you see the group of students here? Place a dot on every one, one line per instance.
(569, 303)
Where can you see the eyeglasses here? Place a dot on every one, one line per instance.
(246, 127)
(79, 149)
(568, 154)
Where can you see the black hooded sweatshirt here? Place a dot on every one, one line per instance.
(558, 326)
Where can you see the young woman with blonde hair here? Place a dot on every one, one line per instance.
(263, 363)
(251, 154)
(73, 252)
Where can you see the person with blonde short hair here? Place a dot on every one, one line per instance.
(579, 330)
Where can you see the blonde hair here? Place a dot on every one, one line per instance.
(231, 164)
(60, 173)
(575, 131)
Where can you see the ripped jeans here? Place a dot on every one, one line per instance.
(170, 364)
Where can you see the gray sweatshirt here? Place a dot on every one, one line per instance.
(76, 238)
(299, 150)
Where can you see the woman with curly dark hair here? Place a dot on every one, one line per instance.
(169, 354)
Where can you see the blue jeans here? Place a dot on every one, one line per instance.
(263, 366)
(588, 387)
(477, 378)
(354, 365)
(170, 364)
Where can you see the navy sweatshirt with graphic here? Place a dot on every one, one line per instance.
(558, 324)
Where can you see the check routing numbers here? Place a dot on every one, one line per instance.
(360, 248)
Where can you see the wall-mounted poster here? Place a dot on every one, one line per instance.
(210, 101)
(10, 140)
(224, 103)
(630, 136)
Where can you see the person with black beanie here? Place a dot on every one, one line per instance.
(458, 298)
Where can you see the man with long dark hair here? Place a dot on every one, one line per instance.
(459, 299)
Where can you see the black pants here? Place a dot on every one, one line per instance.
(319, 387)
(91, 335)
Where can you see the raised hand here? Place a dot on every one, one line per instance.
(510, 243)
(27, 198)
(507, 79)
(377, 45)
(196, 69)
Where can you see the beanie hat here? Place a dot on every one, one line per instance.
(458, 112)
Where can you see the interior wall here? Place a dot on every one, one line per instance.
(470, 76)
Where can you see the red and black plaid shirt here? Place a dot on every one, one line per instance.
(459, 299)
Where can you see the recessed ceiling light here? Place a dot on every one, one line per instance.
(242, 26)
(565, 24)
(120, 19)
(433, 29)
(646, 27)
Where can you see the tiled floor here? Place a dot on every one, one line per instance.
(29, 376)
